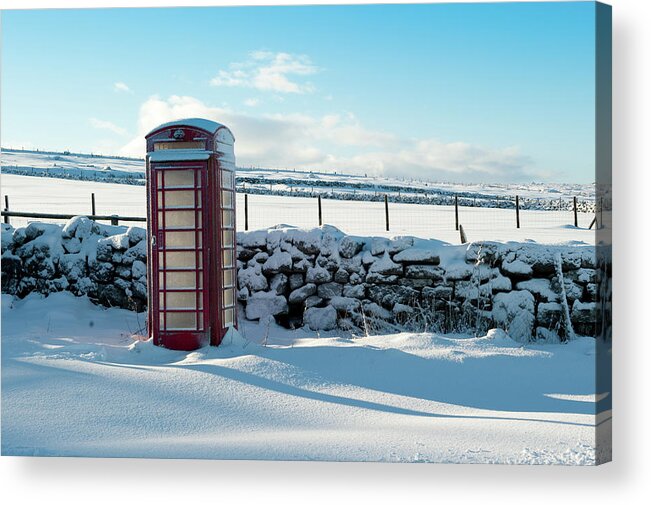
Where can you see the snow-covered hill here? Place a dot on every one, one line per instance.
(283, 182)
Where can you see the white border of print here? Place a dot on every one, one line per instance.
(102, 481)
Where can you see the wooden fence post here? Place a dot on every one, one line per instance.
(456, 212)
(517, 211)
(386, 210)
(7, 208)
(246, 212)
(462, 235)
(92, 203)
(114, 220)
(576, 216)
(320, 213)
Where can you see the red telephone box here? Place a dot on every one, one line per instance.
(191, 231)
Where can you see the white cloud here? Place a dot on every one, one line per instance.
(339, 142)
(120, 86)
(267, 71)
(106, 125)
(252, 102)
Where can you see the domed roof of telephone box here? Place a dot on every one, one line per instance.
(194, 122)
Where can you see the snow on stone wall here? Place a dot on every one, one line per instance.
(325, 279)
(106, 263)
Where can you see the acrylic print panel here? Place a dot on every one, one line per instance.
(414, 265)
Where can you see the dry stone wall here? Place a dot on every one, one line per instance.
(326, 280)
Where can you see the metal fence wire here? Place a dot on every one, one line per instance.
(485, 218)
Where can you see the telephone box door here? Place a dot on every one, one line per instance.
(180, 263)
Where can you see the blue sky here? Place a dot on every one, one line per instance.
(463, 92)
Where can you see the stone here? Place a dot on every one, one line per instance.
(243, 294)
(296, 281)
(550, 315)
(313, 301)
(71, 245)
(244, 254)
(352, 265)
(123, 271)
(263, 304)
(458, 272)
(584, 312)
(279, 261)
(138, 269)
(111, 295)
(354, 291)
(486, 252)
(345, 304)
(101, 271)
(388, 296)
(514, 311)
(252, 239)
(415, 283)
(318, 275)
(299, 295)
(374, 278)
(136, 234)
(139, 289)
(80, 227)
(260, 257)
(252, 278)
(424, 272)
(516, 269)
(385, 266)
(117, 242)
(540, 288)
(136, 252)
(399, 244)
(350, 246)
(301, 266)
(279, 283)
(591, 292)
(320, 319)
(355, 279)
(442, 292)
(418, 255)
(341, 276)
(500, 283)
(307, 242)
(329, 290)
(379, 245)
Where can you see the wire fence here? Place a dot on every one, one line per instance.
(499, 218)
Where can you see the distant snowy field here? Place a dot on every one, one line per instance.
(50, 195)
(76, 383)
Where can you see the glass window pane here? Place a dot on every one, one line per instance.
(179, 280)
(179, 199)
(227, 258)
(179, 259)
(182, 239)
(184, 300)
(227, 199)
(179, 219)
(229, 278)
(227, 218)
(227, 238)
(227, 179)
(179, 320)
(228, 317)
(176, 178)
(228, 300)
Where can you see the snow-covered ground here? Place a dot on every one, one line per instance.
(76, 383)
(36, 194)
